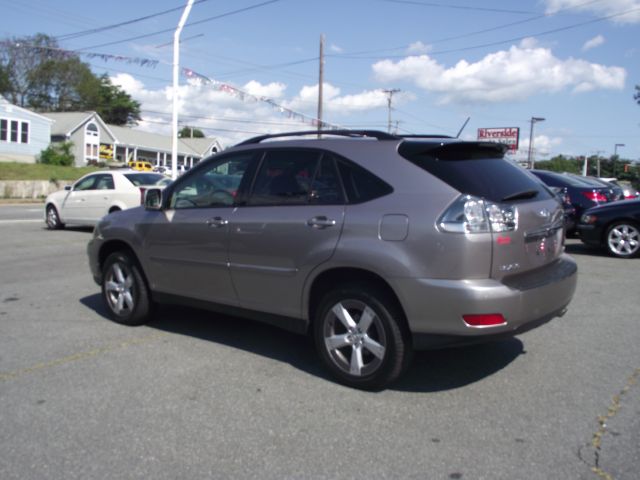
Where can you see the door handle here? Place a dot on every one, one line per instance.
(321, 222)
(217, 222)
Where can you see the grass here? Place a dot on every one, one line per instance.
(39, 171)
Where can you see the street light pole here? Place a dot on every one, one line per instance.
(530, 159)
(176, 70)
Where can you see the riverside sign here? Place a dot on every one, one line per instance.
(507, 135)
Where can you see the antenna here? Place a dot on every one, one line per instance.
(462, 127)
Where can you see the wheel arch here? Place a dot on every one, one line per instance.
(329, 279)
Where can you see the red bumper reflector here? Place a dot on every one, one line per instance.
(484, 320)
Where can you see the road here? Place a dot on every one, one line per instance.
(198, 395)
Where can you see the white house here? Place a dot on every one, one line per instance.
(23, 133)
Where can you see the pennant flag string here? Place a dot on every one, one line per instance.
(247, 97)
(67, 54)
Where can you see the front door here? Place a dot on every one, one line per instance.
(290, 224)
(186, 244)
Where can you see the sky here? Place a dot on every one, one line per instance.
(250, 67)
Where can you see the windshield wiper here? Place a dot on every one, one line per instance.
(521, 195)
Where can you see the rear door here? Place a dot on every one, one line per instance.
(290, 224)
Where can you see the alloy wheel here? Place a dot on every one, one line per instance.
(623, 240)
(354, 338)
(119, 289)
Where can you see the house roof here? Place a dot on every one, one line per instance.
(141, 139)
(66, 123)
(7, 106)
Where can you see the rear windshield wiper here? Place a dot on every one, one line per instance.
(521, 195)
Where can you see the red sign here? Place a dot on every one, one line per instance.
(507, 135)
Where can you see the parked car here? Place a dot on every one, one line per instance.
(374, 244)
(630, 193)
(582, 195)
(97, 194)
(615, 227)
(615, 191)
(141, 166)
(569, 210)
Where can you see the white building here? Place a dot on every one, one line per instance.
(23, 133)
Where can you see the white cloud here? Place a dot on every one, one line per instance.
(229, 118)
(503, 76)
(334, 102)
(336, 49)
(593, 43)
(419, 47)
(602, 8)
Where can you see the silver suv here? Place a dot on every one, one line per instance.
(375, 244)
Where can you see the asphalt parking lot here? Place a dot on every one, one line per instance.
(197, 395)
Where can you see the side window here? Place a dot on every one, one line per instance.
(325, 187)
(87, 183)
(104, 182)
(215, 185)
(284, 178)
(361, 185)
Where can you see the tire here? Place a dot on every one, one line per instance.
(53, 218)
(360, 336)
(124, 290)
(623, 239)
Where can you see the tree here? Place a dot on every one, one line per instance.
(21, 59)
(46, 78)
(114, 105)
(636, 96)
(560, 163)
(190, 132)
(5, 84)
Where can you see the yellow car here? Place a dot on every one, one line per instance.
(141, 166)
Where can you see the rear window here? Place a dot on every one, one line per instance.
(475, 169)
(559, 180)
(144, 178)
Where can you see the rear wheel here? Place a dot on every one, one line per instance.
(124, 290)
(623, 239)
(360, 337)
(53, 218)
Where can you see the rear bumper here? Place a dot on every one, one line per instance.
(435, 308)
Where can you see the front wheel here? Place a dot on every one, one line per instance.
(360, 337)
(623, 239)
(124, 290)
(53, 218)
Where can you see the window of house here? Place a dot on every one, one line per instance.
(24, 132)
(4, 130)
(14, 131)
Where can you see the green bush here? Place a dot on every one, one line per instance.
(58, 154)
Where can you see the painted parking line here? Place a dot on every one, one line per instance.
(18, 220)
(81, 356)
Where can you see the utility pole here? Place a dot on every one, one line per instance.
(176, 70)
(320, 83)
(389, 97)
(530, 159)
(598, 152)
(615, 156)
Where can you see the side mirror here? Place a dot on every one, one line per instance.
(153, 199)
(68, 188)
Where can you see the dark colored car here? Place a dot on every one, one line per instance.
(615, 190)
(582, 195)
(615, 226)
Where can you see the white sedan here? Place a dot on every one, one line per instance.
(98, 194)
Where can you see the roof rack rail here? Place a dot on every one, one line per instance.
(426, 136)
(342, 133)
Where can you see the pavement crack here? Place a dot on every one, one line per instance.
(594, 448)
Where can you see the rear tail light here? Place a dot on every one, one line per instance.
(470, 214)
(142, 191)
(595, 196)
(484, 320)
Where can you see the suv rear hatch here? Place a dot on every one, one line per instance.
(496, 196)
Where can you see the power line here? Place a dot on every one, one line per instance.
(461, 7)
(70, 36)
(216, 17)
